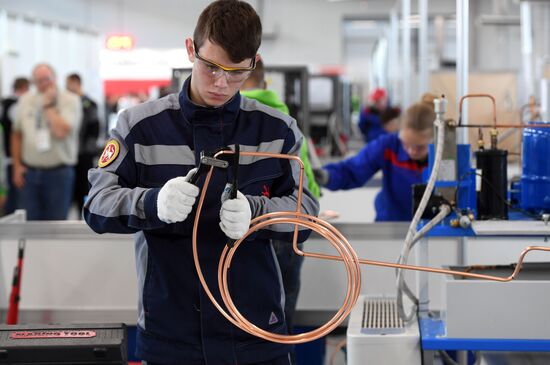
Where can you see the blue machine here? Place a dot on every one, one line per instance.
(529, 197)
(465, 186)
(535, 178)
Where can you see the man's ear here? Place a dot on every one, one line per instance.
(258, 57)
(190, 49)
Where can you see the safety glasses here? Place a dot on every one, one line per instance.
(215, 70)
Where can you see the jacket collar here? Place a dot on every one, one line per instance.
(198, 114)
(402, 155)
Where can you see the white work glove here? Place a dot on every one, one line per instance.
(176, 198)
(235, 216)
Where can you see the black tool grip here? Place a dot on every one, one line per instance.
(196, 175)
(234, 184)
(201, 170)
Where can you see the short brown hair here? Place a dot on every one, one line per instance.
(257, 77)
(21, 83)
(389, 114)
(75, 77)
(419, 117)
(234, 25)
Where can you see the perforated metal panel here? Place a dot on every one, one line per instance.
(380, 316)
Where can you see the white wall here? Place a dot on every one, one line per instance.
(27, 42)
(299, 31)
(166, 23)
(296, 31)
(306, 31)
(496, 47)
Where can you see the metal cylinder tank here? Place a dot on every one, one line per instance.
(535, 178)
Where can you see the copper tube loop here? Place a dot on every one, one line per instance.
(532, 125)
(478, 96)
(326, 230)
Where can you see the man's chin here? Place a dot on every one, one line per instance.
(216, 102)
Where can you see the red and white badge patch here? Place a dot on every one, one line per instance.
(110, 153)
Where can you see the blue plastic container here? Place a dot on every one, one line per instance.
(535, 178)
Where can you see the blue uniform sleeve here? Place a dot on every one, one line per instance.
(357, 170)
(363, 124)
(115, 203)
(370, 125)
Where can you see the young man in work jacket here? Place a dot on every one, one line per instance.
(141, 186)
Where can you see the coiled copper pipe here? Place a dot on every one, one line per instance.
(326, 230)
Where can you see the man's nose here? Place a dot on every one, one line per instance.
(222, 80)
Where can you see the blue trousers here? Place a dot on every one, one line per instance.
(47, 193)
(283, 360)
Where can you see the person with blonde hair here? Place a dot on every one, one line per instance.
(402, 156)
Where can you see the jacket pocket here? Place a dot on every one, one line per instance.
(258, 178)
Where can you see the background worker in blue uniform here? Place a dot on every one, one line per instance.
(141, 186)
(255, 88)
(401, 156)
(375, 118)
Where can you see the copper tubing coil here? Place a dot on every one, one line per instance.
(326, 230)
(478, 96)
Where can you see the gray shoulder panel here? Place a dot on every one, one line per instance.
(250, 105)
(139, 112)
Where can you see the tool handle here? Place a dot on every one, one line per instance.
(196, 175)
(13, 308)
(234, 184)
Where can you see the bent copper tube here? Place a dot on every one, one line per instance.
(531, 125)
(478, 96)
(495, 125)
(332, 235)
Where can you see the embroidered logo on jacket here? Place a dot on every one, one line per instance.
(109, 154)
(266, 191)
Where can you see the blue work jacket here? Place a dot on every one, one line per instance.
(370, 124)
(161, 140)
(386, 153)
